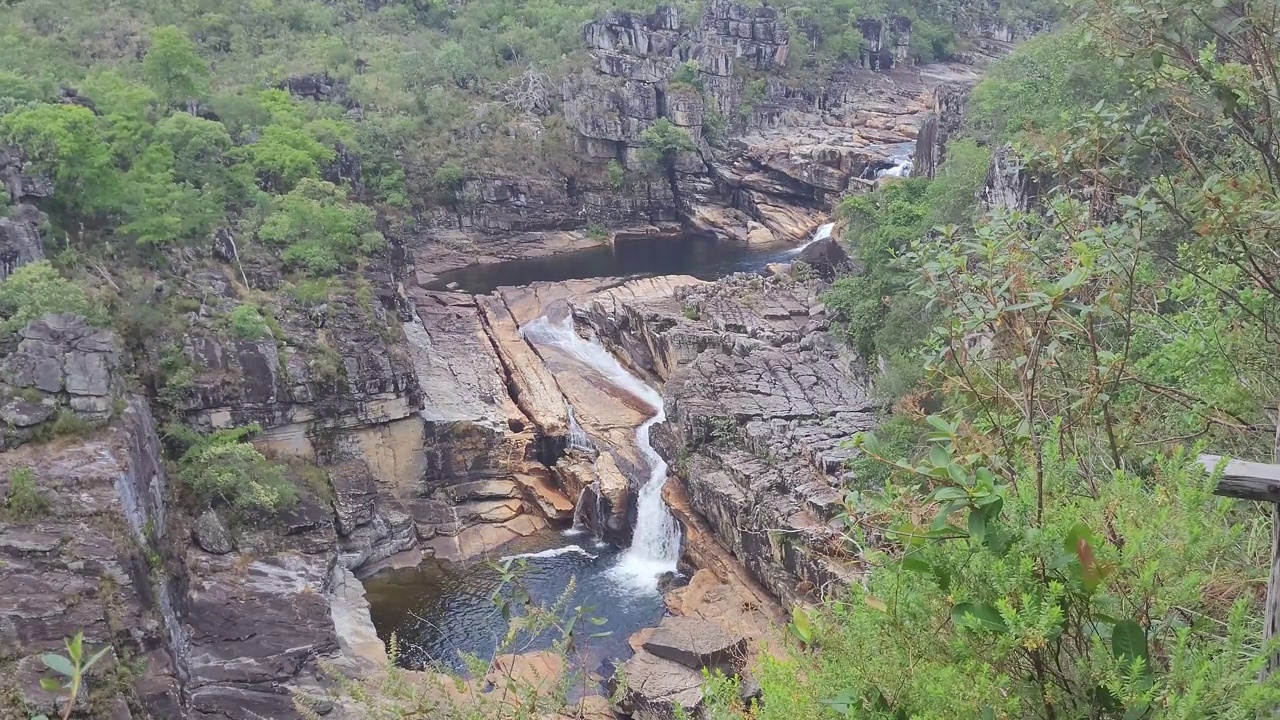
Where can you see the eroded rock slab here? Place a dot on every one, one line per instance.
(760, 400)
(697, 643)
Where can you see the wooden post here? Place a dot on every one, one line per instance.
(1273, 593)
(1261, 482)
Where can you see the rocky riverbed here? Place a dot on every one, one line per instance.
(445, 431)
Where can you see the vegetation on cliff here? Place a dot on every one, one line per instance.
(1048, 544)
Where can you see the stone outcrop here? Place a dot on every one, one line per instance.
(1009, 185)
(938, 127)
(697, 644)
(225, 626)
(20, 227)
(664, 678)
(484, 482)
(333, 367)
(81, 565)
(62, 366)
(759, 400)
(20, 239)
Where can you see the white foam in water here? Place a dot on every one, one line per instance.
(554, 552)
(578, 438)
(902, 163)
(655, 543)
(902, 169)
(822, 233)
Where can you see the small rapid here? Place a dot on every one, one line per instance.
(822, 233)
(655, 542)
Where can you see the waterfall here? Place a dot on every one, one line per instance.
(902, 169)
(822, 233)
(655, 543)
(900, 156)
(578, 527)
(578, 438)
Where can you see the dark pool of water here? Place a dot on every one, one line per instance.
(703, 256)
(438, 610)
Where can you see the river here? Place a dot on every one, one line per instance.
(439, 611)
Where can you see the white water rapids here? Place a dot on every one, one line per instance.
(655, 542)
(822, 233)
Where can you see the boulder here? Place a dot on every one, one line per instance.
(658, 689)
(697, 644)
(211, 534)
(826, 258)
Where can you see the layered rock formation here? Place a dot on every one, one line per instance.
(80, 563)
(20, 225)
(203, 622)
(62, 371)
(774, 148)
(760, 400)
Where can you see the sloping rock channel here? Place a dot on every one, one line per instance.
(745, 363)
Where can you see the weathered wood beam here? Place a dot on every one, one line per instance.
(1246, 480)
(1258, 481)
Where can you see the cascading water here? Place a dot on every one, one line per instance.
(578, 526)
(655, 543)
(822, 233)
(902, 169)
(900, 156)
(578, 438)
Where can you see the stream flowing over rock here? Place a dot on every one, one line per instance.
(705, 429)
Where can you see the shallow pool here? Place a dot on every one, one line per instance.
(439, 610)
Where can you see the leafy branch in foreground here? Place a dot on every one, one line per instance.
(72, 669)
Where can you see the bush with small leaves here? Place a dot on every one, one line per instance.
(225, 469)
(247, 322)
(36, 289)
(24, 501)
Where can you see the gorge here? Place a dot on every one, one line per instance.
(630, 383)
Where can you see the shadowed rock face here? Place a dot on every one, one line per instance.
(81, 565)
(20, 231)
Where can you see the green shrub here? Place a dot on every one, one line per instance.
(326, 364)
(597, 232)
(225, 469)
(687, 75)
(661, 143)
(68, 423)
(247, 323)
(449, 178)
(35, 290)
(24, 501)
(321, 232)
(617, 175)
(176, 386)
(1033, 90)
(715, 128)
(312, 291)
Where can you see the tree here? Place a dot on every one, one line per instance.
(453, 60)
(283, 156)
(173, 69)
(661, 143)
(199, 147)
(125, 108)
(67, 143)
(320, 231)
(160, 208)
